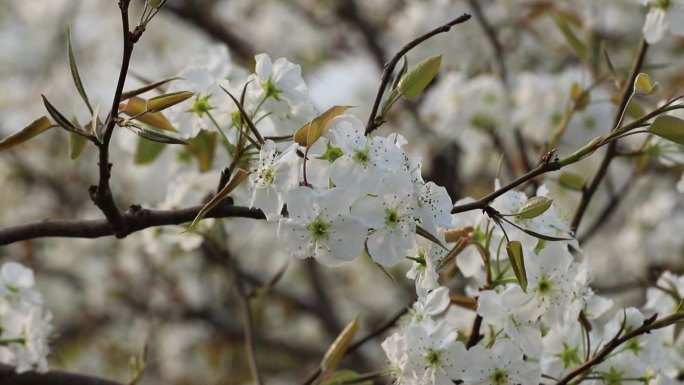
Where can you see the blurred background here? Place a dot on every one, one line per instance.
(504, 87)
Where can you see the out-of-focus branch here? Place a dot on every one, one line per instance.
(201, 17)
(373, 122)
(589, 190)
(134, 220)
(615, 199)
(348, 10)
(8, 376)
(490, 32)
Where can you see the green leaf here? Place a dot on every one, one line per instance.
(155, 136)
(135, 92)
(162, 102)
(203, 148)
(571, 181)
(245, 116)
(155, 3)
(668, 127)
(644, 85)
(147, 151)
(339, 347)
(534, 207)
(237, 178)
(136, 106)
(74, 71)
(34, 128)
(414, 81)
(427, 235)
(400, 74)
(580, 97)
(580, 48)
(96, 125)
(59, 118)
(515, 257)
(309, 133)
(76, 145)
(345, 377)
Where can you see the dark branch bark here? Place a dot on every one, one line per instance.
(348, 10)
(135, 219)
(9, 377)
(201, 17)
(389, 67)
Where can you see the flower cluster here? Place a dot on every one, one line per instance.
(24, 324)
(347, 193)
(534, 333)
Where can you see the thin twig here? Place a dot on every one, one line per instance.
(588, 191)
(389, 67)
(348, 10)
(648, 326)
(483, 202)
(353, 347)
(247, 322)
(615, 200)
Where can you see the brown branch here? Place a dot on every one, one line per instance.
(101, 194)
(588, 191)
(615, 199)
(648, 325)
(373, 122)
(202, 18)
(135, 219)
(543, 167)
(9, 377)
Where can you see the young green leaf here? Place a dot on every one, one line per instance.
(534, 207)
(237, 178)
(135, 92)
(517, 261)
(136, 106)
(580, 48)
(34, 128)
(155, 136)
(339, 347)
(571, 181)
(162, 102)
(76, 145)
(203, 148)
(147, 151)
(668, 127)
(74, 71)
(414, 81)
(310, 132)
(59, 118)
(644, 85)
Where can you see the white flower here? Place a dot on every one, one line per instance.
(434, 208)
(431, 304)
(503, 364)
(424, 268)
(278, 87)
(319, 226)
(434, 355)
(391, 217)
(366, 160)
(274, 176)
(663, 15)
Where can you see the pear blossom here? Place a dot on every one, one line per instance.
(274, 176)
(503, 364)
(392, 220)
(24, 324)
(320, 226)
(663, 15)
(424, 267)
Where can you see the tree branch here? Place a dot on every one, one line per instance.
(490, 32)
(134, 220)
(373, 122)
(627, 88)
(101, 194)
(8, 376)
(543, 167)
